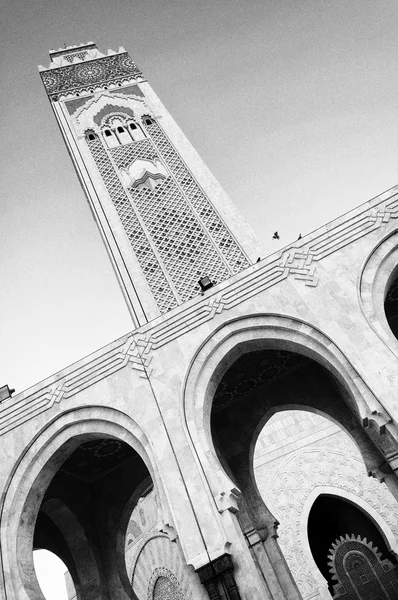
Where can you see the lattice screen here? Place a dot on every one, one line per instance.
(181, 241)
(187, 240)
(218, 231)
(70, 57)
(165, 589)
(125, 155)
(138, 238)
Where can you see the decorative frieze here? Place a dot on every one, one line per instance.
(296, 261)
(125, 351)
(101, 71)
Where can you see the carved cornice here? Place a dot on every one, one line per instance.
(98, 72)
(297, 261)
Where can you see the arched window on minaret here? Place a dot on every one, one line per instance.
(123, 135)
(110, 138)
(90, 135)
(136, 132)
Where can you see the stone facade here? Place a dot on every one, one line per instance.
(312, 456)
(178, 404)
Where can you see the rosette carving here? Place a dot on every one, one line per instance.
(110, 69)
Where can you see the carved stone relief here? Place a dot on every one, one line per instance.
(105, 70)
(333, 462)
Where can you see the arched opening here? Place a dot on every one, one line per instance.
(263, 383)
(110, 138)
(332, 517)
(391, 305)
(53, 577)
(136, 132)
(123, 135)
(85, 510)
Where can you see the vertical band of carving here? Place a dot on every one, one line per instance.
(219, 573)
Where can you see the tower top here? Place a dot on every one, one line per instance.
(66, 75)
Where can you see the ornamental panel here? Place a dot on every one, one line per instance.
(286, 483)
(110, 69)
(146, 257)
(185, 248)
(361, 572)
(166, 589)
(229, 248)
(125, 155)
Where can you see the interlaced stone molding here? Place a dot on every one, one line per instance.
(123, 352)
(297, 261)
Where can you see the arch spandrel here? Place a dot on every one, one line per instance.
(243, 335)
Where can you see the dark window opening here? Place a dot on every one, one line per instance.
(133, 126)
(148, 121)
(108, 133)
(91, 136)
(120, 129)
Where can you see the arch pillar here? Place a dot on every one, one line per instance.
(260, 529)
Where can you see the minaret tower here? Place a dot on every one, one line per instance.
(165, 220)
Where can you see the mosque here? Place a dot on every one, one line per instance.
(241, 441)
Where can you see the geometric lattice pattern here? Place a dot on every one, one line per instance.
(80, 55)
(223, 239)
(186, 239)
(185, 248)
(361, 572)
(184, 245)
(166, 589)
(146, 257)
(127, 154)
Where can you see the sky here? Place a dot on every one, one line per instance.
(292, 104)
(51, 575)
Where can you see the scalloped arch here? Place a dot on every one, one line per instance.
(86, 116)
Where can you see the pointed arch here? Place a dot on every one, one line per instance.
(237, 337)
